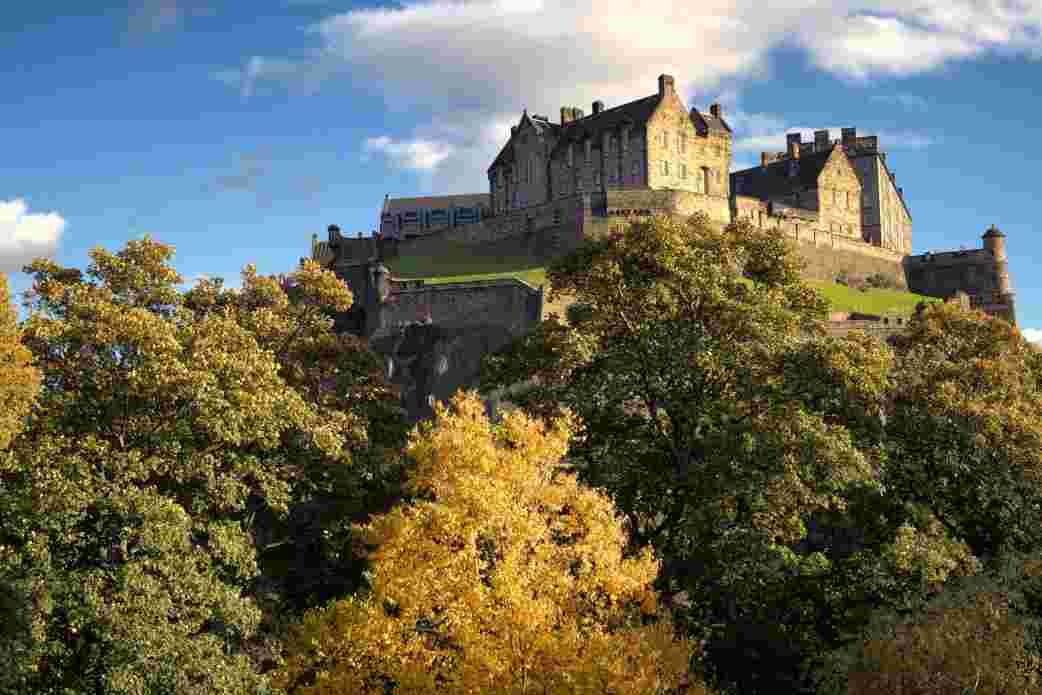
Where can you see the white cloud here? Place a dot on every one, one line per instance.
(25, 236)
(1032, 335)
(473, 63)
(912, 102)
(415, 155)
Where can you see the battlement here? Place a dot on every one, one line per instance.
(795, 147)
(929, 258)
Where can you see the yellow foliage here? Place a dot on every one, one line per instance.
(976, 649)
(19, 379)
(504, 576)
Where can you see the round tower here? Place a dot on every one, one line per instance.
(995, 242)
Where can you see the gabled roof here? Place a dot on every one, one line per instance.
(542, 126)
(710, 123)
(634, 113)
(776, 180)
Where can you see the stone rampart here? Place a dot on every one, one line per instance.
(824, 254)
(508, 302)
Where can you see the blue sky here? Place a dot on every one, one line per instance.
(234, 130)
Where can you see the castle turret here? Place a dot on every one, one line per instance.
(995, 242)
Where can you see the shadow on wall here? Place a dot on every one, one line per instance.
(430, 362)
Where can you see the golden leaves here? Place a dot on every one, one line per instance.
(504, 576)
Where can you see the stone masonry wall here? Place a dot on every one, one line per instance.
(824, 254)
(679, 158)
(509, 303)
(975, 271)
(839, 197)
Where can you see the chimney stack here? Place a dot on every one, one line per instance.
(764, 159)
(849, 137)
(665, 85)
(714, 110)
(598, 106)
(821, 140)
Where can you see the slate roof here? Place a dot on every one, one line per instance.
(775, 179)
(712, 123)
(593, 125)
(441, 202)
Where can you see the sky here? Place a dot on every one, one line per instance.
(235, 130)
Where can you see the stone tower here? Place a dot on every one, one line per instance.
(995, 242)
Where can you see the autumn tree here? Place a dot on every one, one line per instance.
(19, 379)
(748, 448)
(174, 442)
(504, 575)
(966, 428)
(978, 635)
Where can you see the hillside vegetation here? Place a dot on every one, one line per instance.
(458, 262)
(213, 492)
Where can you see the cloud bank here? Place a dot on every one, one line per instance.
(474, 64)
(25, 236)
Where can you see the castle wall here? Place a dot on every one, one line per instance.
(839, 197)
(679, 158)
(508, 303)
(885, 219)
(974, 271)
(824, 254)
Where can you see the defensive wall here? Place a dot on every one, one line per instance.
(823, 253)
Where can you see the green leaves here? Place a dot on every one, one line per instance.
(173, 435)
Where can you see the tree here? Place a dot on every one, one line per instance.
(19, 379)
(504, 575)
(979, 635)
(175, 441)
(744, 445)
(965, 429)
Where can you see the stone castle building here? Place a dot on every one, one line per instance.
(553, 184)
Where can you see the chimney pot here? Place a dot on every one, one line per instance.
(333, 228)
(764, 159)
(714, 110)
(665, 85)
(566, 114)
(794, 150)
(598, 106)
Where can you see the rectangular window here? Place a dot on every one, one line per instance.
(611, 143)
(682, 143)
(635, 170)
(597, 178)
(683, 171)
(665, 168)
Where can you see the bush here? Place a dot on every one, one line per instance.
(881, 281)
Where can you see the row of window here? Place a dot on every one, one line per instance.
(681, 140)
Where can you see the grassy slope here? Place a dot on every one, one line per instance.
(459, 262)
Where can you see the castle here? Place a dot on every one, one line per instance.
(552, 185)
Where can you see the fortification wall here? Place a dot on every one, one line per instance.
(975, 271)
(509, 303)
(824, 254)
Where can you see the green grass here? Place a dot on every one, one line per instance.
(457, 262)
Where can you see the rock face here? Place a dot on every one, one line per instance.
(429, 362)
